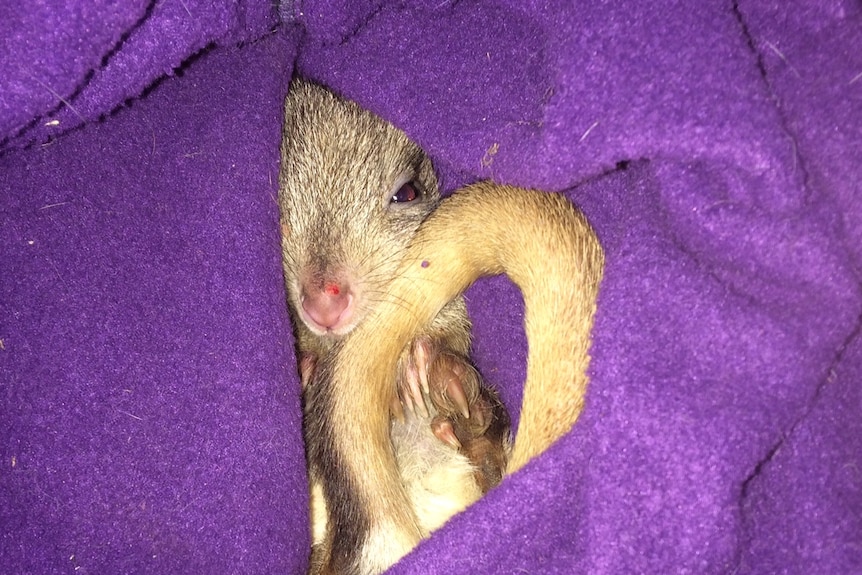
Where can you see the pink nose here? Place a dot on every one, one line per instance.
(329, 307)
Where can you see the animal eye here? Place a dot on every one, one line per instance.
(405, 194)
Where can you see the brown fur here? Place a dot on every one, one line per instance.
(549, 250)
(339, 167)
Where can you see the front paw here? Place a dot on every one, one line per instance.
(436, 381)
(464, 413)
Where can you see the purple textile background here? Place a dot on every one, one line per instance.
(149, 411)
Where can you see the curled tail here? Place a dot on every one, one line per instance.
(547, 248)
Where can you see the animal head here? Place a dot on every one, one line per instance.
(353, 190)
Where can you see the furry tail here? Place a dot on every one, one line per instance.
(547, 248)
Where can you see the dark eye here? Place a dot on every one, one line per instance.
(405, 194)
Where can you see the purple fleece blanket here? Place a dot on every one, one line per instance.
(149, 406)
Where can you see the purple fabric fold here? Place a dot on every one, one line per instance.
(149, 405)
(69, 64)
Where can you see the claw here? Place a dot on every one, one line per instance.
(420, 357)
(443, 430)
(413, 381)
(396, 408)
(405, 400)
(455, 392)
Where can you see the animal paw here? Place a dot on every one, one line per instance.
(307, 364)
(465, 414)
(437, 379)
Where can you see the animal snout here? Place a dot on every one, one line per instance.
(329, 307)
